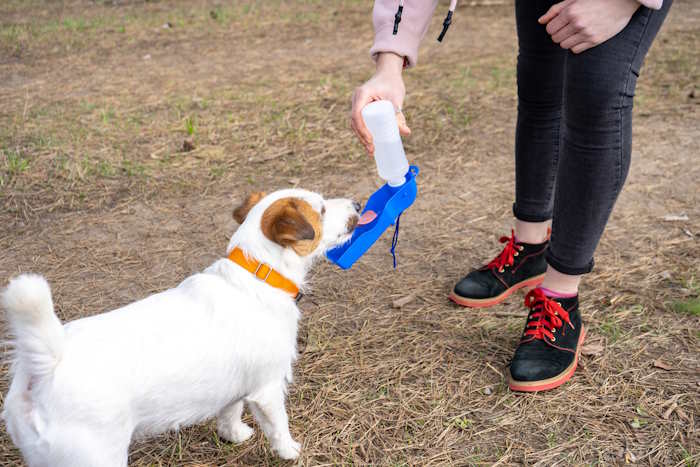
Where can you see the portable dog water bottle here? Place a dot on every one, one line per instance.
(385, 206)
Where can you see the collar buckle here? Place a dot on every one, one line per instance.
(269, 271)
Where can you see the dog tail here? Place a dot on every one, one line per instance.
(37, 333)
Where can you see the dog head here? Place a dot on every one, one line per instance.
(293, 225)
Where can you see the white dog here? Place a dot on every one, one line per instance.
(81, 391)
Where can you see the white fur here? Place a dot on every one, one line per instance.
(81, 392)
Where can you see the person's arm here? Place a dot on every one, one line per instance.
(391, 53)
(415, 19)
(578, 25)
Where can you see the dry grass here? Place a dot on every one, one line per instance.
(96, 99)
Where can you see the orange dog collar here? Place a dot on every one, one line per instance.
(265, 273)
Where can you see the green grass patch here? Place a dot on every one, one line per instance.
(190, 126)
(688, 307)
(611, 329)
(13, 164)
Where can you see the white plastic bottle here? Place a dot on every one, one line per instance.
(392, 165)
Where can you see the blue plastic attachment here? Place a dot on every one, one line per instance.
(388, 203)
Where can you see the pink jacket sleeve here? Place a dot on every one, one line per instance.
(414, 23)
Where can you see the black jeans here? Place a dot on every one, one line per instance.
(574, 130)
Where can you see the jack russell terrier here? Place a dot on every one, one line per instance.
(224, 337)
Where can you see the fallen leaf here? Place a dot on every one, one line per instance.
(636, 424)
(671, 400)
(681, 413)
(658, 363)
(403, 301)
(669, 411)
(676, 217)
(593, 349)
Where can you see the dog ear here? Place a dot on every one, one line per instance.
(240, 213)
(285, 223)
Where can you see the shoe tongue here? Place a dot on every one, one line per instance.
(566, 302)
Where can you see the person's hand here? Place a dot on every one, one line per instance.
(387, 84)
(578, 25)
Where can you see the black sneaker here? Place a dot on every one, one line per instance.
(550, 346)
(519, 265)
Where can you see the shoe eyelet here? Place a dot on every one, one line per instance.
(553, 339)
(500, 270)
(515, 253)
(521, 248)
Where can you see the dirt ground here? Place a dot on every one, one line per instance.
(97, 193)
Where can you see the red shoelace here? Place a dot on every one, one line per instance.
(546, 316)
(507, 256)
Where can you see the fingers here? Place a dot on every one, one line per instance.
(564, 34)
(556, 24)
(404, 130)
(573, 41)
(583, 46)
(361, 98)
(553, 11)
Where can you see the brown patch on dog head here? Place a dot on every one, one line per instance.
(352, 223)
(242, 211)
(292, 223)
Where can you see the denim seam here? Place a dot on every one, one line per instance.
(625, 89)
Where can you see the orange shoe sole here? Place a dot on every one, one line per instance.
(553, 382)
(486, 302)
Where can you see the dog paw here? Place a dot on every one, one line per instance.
(288, 450)
(235, 433)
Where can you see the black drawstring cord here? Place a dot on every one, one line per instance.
(397, 18)
(395, 240)
(445, 25)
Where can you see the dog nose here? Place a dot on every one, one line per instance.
(357, 206)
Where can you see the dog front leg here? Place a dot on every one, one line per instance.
(267, 406)
(229, 425)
